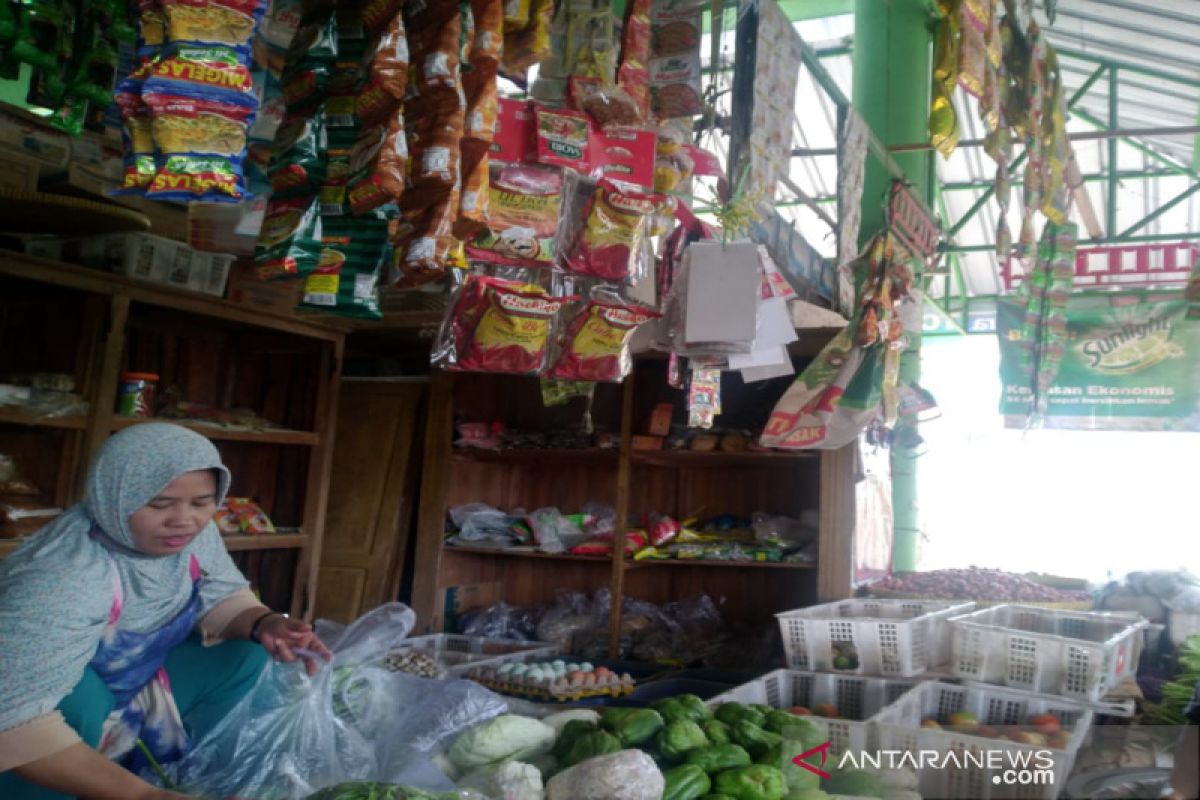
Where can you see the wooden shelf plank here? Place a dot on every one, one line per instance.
(305, 438)
(512, 553)
(535, 456)
(95, 281)
(706, 563)
(265, 541)
(12, 415)
(691, 458)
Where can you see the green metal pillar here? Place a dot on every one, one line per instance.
(892, 69)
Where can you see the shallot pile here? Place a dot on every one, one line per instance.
(977, 584)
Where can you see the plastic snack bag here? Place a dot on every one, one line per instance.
(596, 341)
(289, 243)
(378, 165)
(222, 22)
(386, 75)
(346, 281)
(301, 169)
(498, 326)
(202, 144)
(136, 133)
(606, 239)
(523, 209)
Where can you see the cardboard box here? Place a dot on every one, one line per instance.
(660, 420)
(274, 297)
(142, 257)
(639, 442)
(18, 173)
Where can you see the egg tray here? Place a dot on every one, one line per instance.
(545, 695)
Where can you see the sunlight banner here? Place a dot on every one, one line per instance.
(1129, 363)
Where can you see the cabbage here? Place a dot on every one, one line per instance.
(508, 780)
(508, 736)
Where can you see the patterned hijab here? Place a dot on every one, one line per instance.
(56, 591)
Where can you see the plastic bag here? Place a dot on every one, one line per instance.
(477, 521)
(523, 209)
(373, 633)
(554, 532)
(503, 621)
(595, 344)
(282, 741)
(785, 531)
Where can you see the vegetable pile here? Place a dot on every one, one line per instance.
(1179, 692)
(977, 584)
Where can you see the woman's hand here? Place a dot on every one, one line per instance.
(281, 636)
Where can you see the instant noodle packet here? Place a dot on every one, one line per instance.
(614, 225)
(300, 168)
(523, 209)
(596, 342)
(202, 143)
(221, 22)
(502, 326)
(136, 133)
(346, 280)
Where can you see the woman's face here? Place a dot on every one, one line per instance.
(176, 515)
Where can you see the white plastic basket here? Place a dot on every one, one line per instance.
(1076, 654)
(986, 760)
(458, 654)
(898, 638)
(856, 698)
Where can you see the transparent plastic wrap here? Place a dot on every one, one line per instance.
(594, 340)
(477, 522)
(569, 616)
(781, 530)
(624, 775)
(373, 634)
(503, 621)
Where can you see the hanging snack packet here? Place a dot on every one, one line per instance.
(563, 139)
(376, 15)
(501, 326)
(677, 27)
(633, 74)
(488, 45)
(152, 29)
(289, 243)
(136, 133)
(483, 110)
(609, 106)
(435, 145)
(425, 241)
(346, 281)
(523, 208)
(300, 166)
(529, 45)
(516, 15)
(386, 71)
(596, 342)
(202, 143)
(475, 202)
(212, 72)
(614, 221)
(378, 164)
(220, 22)
(675, 86)
(333, 194)
(436, 44)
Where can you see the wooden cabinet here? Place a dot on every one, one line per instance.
(634, 482)
(94, 326)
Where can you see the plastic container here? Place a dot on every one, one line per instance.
(891, 638)
(898, 728)
(663, 688)
(458, 654)
(135, 397)
(1075, 654)
(857, 699)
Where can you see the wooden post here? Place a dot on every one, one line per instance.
(316, 496)
(428, 602)
(618, 552)
(838, 514)
(100, 417)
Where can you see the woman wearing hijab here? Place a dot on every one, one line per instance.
(126, 631)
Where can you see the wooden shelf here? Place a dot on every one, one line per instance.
(535, 456)
(12, 415)
(705, 562)
(691, 458)
(304, 438)
(510, 553)
(265, 541)
(20, 265)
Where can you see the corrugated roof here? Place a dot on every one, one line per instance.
(1156, 49)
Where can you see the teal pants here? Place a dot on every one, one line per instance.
(207, 683)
